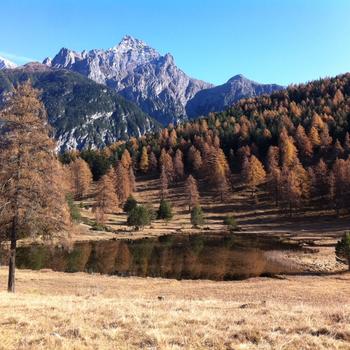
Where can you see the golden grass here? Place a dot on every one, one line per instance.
(54, 310)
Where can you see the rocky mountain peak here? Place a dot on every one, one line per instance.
(65, 57)
(237, 77)
(139, 73)
(130, 43)
(47, 61)
(134, 50)
(6, 64)
(153, 81)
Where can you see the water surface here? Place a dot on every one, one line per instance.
(216, 257)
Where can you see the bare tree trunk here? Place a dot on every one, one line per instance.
(12, 261)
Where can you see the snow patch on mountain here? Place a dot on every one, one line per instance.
(6, 64)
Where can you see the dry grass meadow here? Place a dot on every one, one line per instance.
(53, 310)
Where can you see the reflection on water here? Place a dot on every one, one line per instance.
(182, 257)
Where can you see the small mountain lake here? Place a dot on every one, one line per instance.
(216, 257)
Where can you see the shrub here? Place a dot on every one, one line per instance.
(165, 210)
(197, 217)
(342, 249)
(73, 208)
(230, 222)
(139, 217)
(98, 227)
(130, 204)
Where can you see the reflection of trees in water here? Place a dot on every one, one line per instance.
(103, 257)
(211, 257)
(34, 258)
(123, 258)
(141, 252)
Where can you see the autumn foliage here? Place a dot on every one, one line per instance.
(294, 143)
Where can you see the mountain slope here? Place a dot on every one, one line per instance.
(218, 98)
(139, 73)
(6, 64)
(82, 112)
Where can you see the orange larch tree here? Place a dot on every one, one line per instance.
(81, 178)
(106, 199)
(31, 196)
(192, 192)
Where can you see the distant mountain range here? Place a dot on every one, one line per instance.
(218, 98)
(154, 82)
(121, 92)
(83, 113)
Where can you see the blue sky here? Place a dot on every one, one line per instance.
(277, 41)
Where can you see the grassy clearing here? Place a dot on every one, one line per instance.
(79, 311)
(261, 218)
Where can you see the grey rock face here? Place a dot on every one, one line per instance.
(220, 97)
(139, 73)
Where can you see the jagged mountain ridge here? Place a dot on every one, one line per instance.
(154, 82)
(83, 113)
(139, 73)
(218, 98)
(6, 64)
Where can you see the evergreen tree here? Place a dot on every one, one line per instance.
(130, 204)
(342, 250)
(230, 222)
(165, 211)
(139, 217)
(197, 216)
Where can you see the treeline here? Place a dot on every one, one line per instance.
(295, 141)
